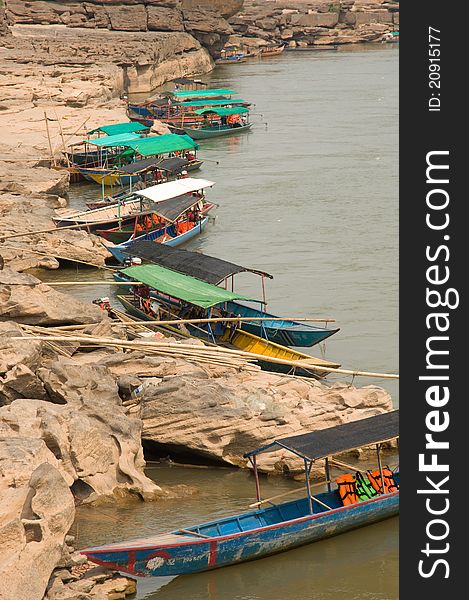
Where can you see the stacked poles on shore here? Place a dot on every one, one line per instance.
(201, 353)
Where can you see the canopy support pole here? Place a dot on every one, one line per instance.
(253, 461)
(378, 453)
(263, 290)
(328, 474)
(308, 489)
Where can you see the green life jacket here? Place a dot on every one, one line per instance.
(364, 488)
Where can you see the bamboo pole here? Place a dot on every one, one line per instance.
(194, 533)
(83, 262)
(300, 489)
(54, 229)
(345, 466)
(218, 349)
(60, 283)
(48, 138)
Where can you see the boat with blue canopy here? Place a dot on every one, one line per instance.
(221, 272)
(356, 499)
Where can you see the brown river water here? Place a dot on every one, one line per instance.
(311, 196)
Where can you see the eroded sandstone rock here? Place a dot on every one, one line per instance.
(223, 416)
(25, 299)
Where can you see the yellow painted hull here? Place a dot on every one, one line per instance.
(243, 340)
(109, 179)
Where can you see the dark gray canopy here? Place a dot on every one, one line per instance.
(333, 440)
(207, 268)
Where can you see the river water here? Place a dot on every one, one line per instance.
(311, 196)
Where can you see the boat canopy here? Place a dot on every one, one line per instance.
(119, 128)
(202, 93)
(207, 268)
(171, 165)
(160, 144)
(173, 208)
(333, 440)
(109, 141)
(223, 111)
(171, 189)
(186, 81)
(201, 103)
(182, 287)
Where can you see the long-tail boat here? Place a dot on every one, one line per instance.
(271, 528)
(266, 51)
(137, 148)
(136, 204)
(227, 121)
(176, 296)
(219, 272)
(178, 219)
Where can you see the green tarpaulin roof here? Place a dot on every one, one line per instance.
(160, 144)
(201, 103)
(122, 139)
(119, 128)
(223, 111)
(202, 93)
(182, 287)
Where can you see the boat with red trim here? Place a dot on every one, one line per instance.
(278, 527)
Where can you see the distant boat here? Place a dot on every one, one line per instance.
(274, 528)
(271, 50)
(231, 54)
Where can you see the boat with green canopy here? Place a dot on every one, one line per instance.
(134, 148)
(219, 121)
(164, 294)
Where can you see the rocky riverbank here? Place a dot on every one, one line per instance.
(302, 23)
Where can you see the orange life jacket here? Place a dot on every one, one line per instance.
(388, 479)
(347, 489)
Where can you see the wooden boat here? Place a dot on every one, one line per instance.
(178, 295)
(169, 235)
(129, 233)
(277, 528)
(218, 272)
(271, 50)
(202, 133)
(139, 202)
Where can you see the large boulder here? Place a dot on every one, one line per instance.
(82, 422)
(36, 512)
(26, 299)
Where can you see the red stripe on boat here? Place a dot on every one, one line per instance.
(212, 561)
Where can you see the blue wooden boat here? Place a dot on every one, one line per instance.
(166, 235)
(277, 528)
(217, 272)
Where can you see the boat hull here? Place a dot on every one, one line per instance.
(287, 333)
(202, 134)
(192, 555)
(119, 255)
